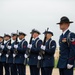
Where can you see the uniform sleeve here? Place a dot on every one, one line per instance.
(12, 47)
(36, 50)
(52, 48)
(72, 49)
(5, 49)
(23, 49)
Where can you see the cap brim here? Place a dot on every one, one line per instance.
(71, 22)
(34, 32)
(1, 37)
(48, 33)
(22, 34)
(8, 36)
(65, 22)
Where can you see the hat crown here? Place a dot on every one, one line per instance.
(21, 33)
(48, 32)
(1, 36)
(64, 19)
(13, 34)
(7, 35)
(34, 31)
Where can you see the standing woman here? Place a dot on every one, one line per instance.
(49, 49)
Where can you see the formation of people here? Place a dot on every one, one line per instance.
(38, 54)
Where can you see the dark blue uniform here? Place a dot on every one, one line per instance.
(48, 61)
(67, 53)
(3, 58)
(19, 59)
(12, 65)
(1, 65)
(10, 58)
(33, 58)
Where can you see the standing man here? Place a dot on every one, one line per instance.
(19, 59)
(5, 48)
(13, 65)
(67, 48)
(49, 49)
(34, 47)
(1, 65)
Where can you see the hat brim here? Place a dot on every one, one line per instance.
(65, 22)
(22, 34)
(7, 36)
(1, 37)
(48, 33)
(35, 32)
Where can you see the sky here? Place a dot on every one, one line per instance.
(25, 15)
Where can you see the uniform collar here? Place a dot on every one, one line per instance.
(35, 38)
(13, 41)
(48, 40)
(23, 39)
(6, 41)
(65, 31)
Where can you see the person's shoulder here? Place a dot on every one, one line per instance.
(72, 38)
(39, 39)
(72, 34)
(25, 42)
(53, 41)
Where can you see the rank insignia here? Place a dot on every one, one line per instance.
(64, 40)
(73, 41)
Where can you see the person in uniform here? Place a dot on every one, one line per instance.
(1, 65)
(5, 48)
(34, 47)
(49, 49)
(19, 59)
(13, 65)
(67, 48)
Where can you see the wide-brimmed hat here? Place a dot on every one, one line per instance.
(64, 19)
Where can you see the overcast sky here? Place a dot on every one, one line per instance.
(24, 15)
